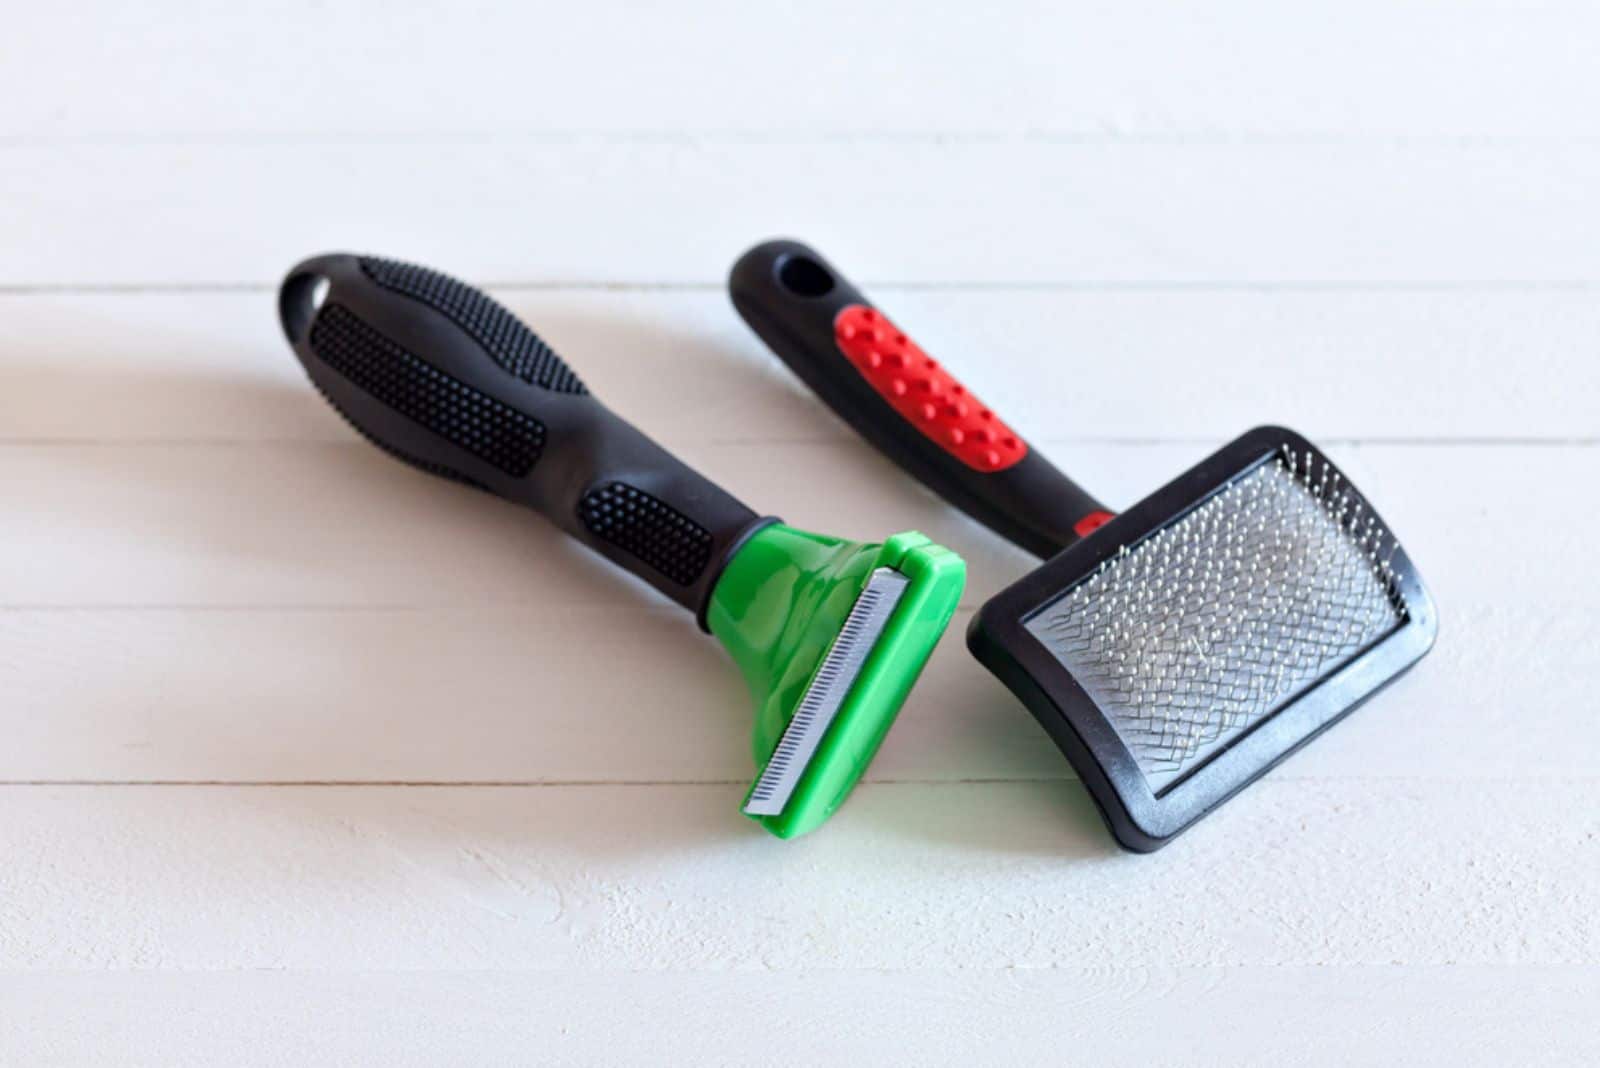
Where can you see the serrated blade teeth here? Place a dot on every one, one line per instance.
(828, 689)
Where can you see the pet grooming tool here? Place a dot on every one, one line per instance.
(830, 634)
(1175, 652)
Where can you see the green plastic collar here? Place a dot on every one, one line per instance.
(779, 606)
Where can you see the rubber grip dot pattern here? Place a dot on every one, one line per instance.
(649, 529)
(491, 431)
(439, 470)
(925, 394)
(506, 339)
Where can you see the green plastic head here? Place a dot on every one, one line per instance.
(778, 608)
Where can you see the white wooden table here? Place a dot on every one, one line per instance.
(308, 758)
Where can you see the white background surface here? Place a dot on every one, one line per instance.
(307, 758)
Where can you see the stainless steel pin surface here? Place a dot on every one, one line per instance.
(1192, 636)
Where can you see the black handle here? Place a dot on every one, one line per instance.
(902, 401)
(444, 378)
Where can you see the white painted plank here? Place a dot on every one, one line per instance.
(1232, 69)
(322, 613)
(517, 695)
(1059, 365)
(341, 525)
(1104, 1015)
(909, 877)
(923, 211)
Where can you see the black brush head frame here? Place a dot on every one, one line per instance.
(798, 304)
(1143, 819)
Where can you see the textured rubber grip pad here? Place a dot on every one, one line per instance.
(925, 394)
(432, 468)
(503, 336)
(649, 529)
(481, 425)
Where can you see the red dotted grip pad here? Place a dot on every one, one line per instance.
(924, 393)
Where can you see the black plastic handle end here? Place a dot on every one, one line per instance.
(442, 377)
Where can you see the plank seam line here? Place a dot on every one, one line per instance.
(714, 137)
(1560, 441)
(557, 784)
(1466, 286)
(477, 608)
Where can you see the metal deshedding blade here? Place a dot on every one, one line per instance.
(832, 682)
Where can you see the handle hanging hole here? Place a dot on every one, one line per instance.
(804, 276)
(299, 301)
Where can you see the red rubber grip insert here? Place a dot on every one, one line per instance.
(924, 393)
(1091, 523)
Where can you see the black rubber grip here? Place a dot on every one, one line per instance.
(900, 399)
(444, 378)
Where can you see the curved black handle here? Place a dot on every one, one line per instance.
(442, 377)
(902, 401)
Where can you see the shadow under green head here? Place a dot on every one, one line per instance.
(830, 636)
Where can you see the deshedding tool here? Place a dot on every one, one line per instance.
(829, 634)
(1174, 652)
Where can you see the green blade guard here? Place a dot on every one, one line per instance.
(779, 607)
